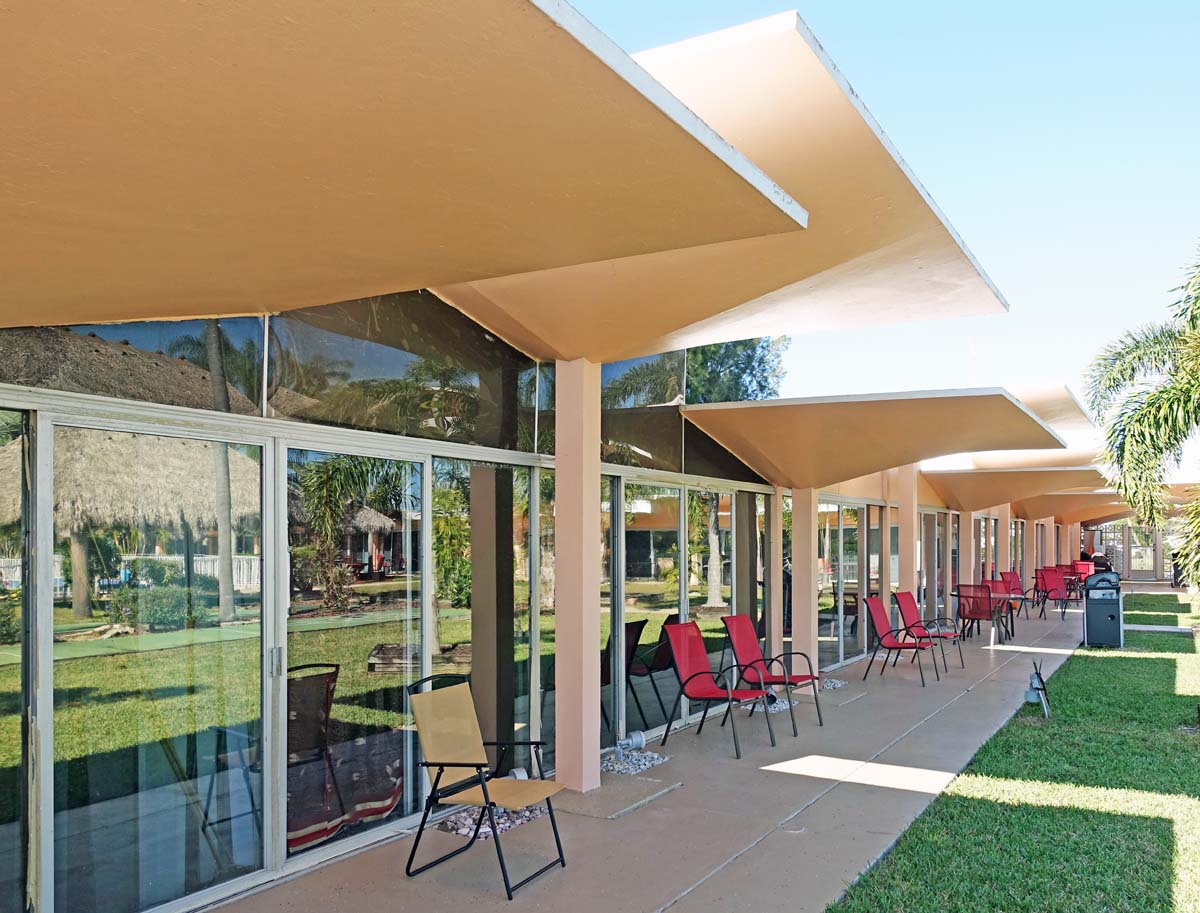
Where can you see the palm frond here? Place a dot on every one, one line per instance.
(1187, 308)
(1140, 354)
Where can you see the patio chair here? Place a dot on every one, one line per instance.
(756, 668)
(1058, 591)
(1021, 596)
(1083, 569)
(939, 629)
(974, 606)
(448, 730)
(1003, 608)
(1039, 591)
(698, 682)
(889, 638)
(654, 659)
(310, 690)
(633, 636)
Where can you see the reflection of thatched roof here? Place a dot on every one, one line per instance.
(368, 520)
(108, 478)
(286, 402)
(59, 359)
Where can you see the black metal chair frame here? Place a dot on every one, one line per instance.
(911, 642)
(721, 681)
(934, 625)
(439, 794)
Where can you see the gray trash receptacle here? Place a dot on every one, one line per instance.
(1103, 622)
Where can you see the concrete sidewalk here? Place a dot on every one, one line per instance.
(783, 829)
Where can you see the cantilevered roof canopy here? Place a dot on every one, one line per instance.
(812, 443)
(1058, 408)
(876, 249)
(197, 159)
(979, 489)
(1069, 506)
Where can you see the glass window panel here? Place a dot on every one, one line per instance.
(727, 372)
(851, 569)
(828, 559)
(13, 833)
(480, 558)
(353, 643)
(157, 659)
(640, 422)
(703, 456)
(545, 396)
(710, 564)
(164, 362)
(546, 613)
(406, 363)
(651, 600)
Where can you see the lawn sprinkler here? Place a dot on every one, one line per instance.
(634, 741)
(1036, 692)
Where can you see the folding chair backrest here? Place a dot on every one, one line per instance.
(746, 648)
(687, 649)
(974, 601)
(881, 621)
(309, 708)
(910, 614)
(448, 728)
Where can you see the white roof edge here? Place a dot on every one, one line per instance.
(1016, 471)
(575, 24)
(792, 19)
(881, 398)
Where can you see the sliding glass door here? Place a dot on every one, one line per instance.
(14, 484)
(158, 697)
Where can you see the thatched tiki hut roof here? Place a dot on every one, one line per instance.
(369, 520)
(110, 478)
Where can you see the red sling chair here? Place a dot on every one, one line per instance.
(756, 668)
(889, 638)
(698, 682)
(928, 629)
(1021, 597)
(1039, 591)
(1057, 589)
(974, 604)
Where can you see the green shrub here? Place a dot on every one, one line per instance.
(10, 623)
(156, 572)
(162, 608)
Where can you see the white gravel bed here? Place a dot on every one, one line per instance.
(633, 763)
(463, 823)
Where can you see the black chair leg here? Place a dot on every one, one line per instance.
(737, 746)
(874, 653)
(817, 702)
(671, 718)
(767, 714)
(921, 669)
(658, 695)
(704, 716)
(787, 690)
(637, 703)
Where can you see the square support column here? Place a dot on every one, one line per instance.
(906, 498)
(1004, 539)
(968, 549)
(577, 574)
(775, 575)
(804, 571)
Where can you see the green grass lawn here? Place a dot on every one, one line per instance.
(1096, 809)
(1172, 610)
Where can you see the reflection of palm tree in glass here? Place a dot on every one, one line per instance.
(241, 365)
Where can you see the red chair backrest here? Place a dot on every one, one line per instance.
(1013, 580)
(687, 649)
(1064, 568)
(910, 613)
(1056, 586)
(881, 622)
(974, 601)
(1084, 569)
(1039, 579)
(746, 648)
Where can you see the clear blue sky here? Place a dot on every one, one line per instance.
(1062, 140)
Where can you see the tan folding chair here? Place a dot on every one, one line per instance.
(450, 739)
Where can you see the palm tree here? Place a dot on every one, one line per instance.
(1146, 388)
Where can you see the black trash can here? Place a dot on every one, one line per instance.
(1103, 622)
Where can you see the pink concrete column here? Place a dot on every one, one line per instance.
(804, 571)
(577, 574)
(905, 494)
(968, 549)
(1074, 538)
(1004, 539)
(885, 540)
(775, 578)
